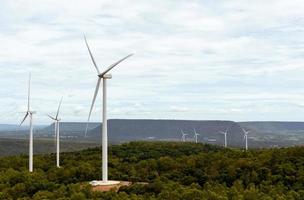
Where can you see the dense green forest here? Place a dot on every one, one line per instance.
(174, 171)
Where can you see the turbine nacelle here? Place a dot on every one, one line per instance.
(245, 132)
(27, 114)
(222, 132)
(55, 119)
(105, 76)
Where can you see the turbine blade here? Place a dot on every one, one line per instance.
(114, 64)
(91, 55)
(58, 108)
(24, 118)
(29, 93)
(51, 117)
(244, 130)
(93, 102)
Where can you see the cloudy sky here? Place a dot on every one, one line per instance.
(237, 60)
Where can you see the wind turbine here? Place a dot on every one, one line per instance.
(104, 76)
(183, 136)
(195, 135)
(225, 134)
(29, 113)
(246, 138)
(56, 124)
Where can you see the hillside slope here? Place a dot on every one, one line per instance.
(128, 130)
(262, 134)
(274, 126)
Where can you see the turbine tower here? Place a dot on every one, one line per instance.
(29, 113)
(57, 136)
(104, 76)
(246, 138)
(225, 135)
(183, 136)
(195, 136)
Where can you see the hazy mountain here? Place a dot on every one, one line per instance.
(274, 127)
(11, 127)
(13, 130)
(134, 129)
(70, 128)
(262, 134)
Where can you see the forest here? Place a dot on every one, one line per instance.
(173, 171)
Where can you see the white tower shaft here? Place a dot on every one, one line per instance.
(31, 144)
(225, 139)
(104, 133)
(57, 144)
(246, 141)
(184, 138)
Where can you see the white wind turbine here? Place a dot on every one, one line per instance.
(29, 113)
(246, 138)
(195, 136)
(183, 136)
(225, 135)
(57, 136)
(104, 76)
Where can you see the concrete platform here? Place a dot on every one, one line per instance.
(109, 185)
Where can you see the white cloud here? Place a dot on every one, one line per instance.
(209, 59)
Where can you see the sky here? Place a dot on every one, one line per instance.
(238, 60)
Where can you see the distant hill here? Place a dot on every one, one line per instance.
(70, 128)
(14, 130)
(135, 129)
(262, 134)
(11, 127)
(274, 127)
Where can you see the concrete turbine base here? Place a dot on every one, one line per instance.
(108, 185)
(97, 183)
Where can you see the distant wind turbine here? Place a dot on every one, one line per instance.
(57, 136)
(104, 76)
(183, 136)
(29, 113)
(225, 135)
(246, 138)
(195, 136)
